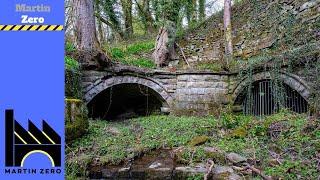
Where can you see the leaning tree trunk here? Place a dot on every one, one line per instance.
(228, 32)
(91, 55)
(127, 12)
(165, 45)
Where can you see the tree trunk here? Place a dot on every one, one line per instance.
(102, 37)
(156, 10)
(191, 12)
(146, 16)
(165, 45)
(111, 25)
(113, 19)
(161, 52)
(227, 32)
(165, 42)
(86, 36)
(149, 18)
(127, 11)
(101, 31)
(202, 10)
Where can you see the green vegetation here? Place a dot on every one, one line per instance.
(141, 134)
(76, 119)
(216, 67)
(284, 145)
(137, 48)
(136, 54)
(69, 47)
(71, 64)
(139, 62)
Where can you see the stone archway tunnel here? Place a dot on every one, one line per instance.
(123, 97)
(125, 93)
(263, 95)
(127, 100)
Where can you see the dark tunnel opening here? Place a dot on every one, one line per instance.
(266, 98)
(125, 101)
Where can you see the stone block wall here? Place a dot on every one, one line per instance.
(191, 93)
(196, 93)
(260, 27)
(200, 94)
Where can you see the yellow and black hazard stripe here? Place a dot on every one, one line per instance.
(31, 27)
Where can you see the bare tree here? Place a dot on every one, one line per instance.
(227, 32)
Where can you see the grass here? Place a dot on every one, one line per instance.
(141, 134)
(136, 54)
(297, 144)
(216, 67)
(71, 64)
(139, 47)
(138, 62)
(69, 47)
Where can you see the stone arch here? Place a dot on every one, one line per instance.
(293, 81)
(126, 79)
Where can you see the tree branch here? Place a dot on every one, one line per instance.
(105, 21)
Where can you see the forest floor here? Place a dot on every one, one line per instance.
(283, 145)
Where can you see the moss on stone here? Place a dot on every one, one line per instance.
(198, 140)
(76, 129)
(239, 132)
(76, 119)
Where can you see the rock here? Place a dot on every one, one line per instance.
(211, 150)
(124, 172)
(307, 5)
(155, 165)
(173, 63)
(235, 158)
(185, 172)
(198, 140)
(237, 108)
(223, 172)
(112, 130)
(165, 110)
(159, 173)
(197, 169)
(215, 153)
(234, 176)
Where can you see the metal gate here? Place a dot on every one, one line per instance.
(267, 97)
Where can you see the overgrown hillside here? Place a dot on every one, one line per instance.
(263, 30)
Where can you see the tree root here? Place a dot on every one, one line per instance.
(211, 163)
(253, 169)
